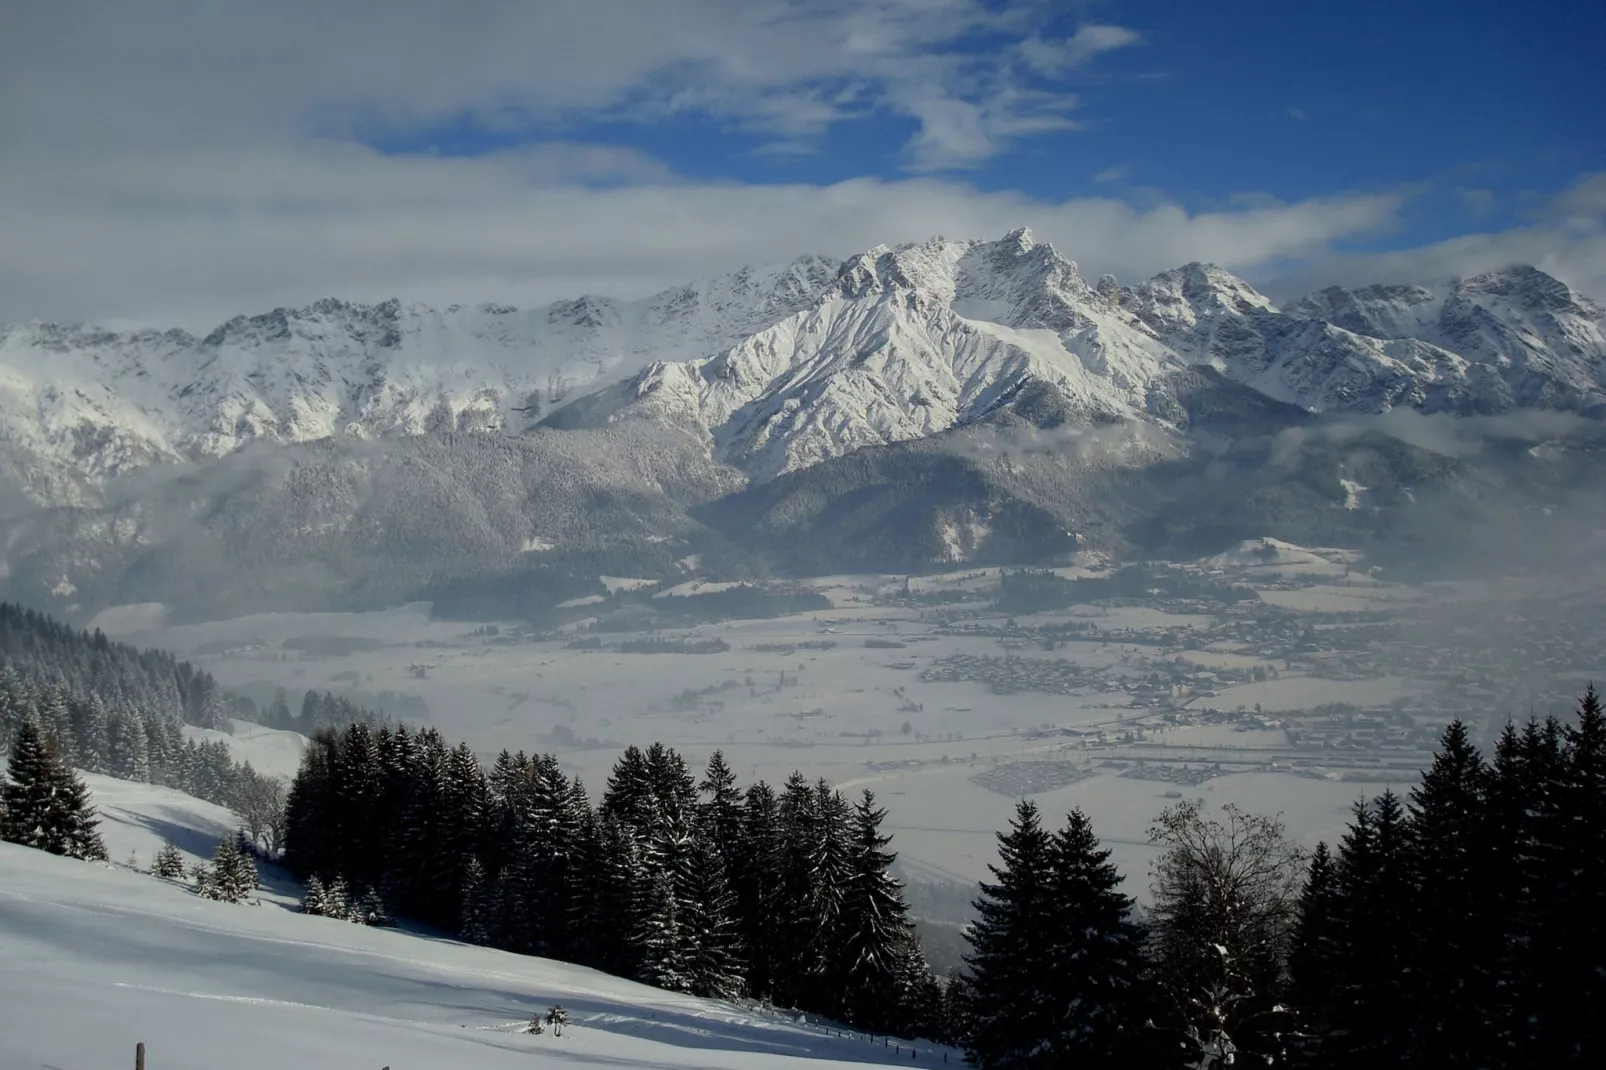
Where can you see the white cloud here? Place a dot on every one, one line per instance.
(1567, 238)
(196, 235)
(166, 71)
(1297, 113)
(180, 163)
(1112, 174)
(1089, 41)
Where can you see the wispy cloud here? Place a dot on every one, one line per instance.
(1298, 113)
(1112, 174)
(786, 70)
(1566, 237)
(1089, 41)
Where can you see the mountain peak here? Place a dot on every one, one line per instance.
(1021, 238)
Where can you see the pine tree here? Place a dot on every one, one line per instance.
(621, 898)
(1012, 1011)
(1095, 952)
(661, 938)
(316, 899)
(233, 875)
(713, 940)
(370, 909)
(337, 898)
(876, 938)
(830, 867)
(45, 804)
(758, 881)
(1450, 987)
(1310, 960)
(721, 816)
(475, 923)
(169, 863)
(794, 921)
(29, 788)
(1578, 933)
(1372, 911)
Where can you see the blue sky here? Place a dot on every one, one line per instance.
(490, 150)
(1479, 109)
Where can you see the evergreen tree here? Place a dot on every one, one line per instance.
(232, 876)
(1450, 987)
(830, 850)
(759, 883)
(1372, 913)
(876, 938)
(621, 899)
(337, 898)
(713, 940)
(316, 899)
(1576, 938)
(475, 924)
(370, 909)
(794, 922)
(169, 863)
(1014, 1018)
(662, 939)
(1310, 960)
(45, 804)
(1095, 952)
(721, 817)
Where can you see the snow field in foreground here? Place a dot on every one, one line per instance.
(94, 958)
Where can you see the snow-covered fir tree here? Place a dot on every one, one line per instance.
(474, 924)
(875, 938)
(1095, 953)
(169, 863)
(232, 876)
(1012, 1007)
(315, 900)
(45, 804)
(714, 942)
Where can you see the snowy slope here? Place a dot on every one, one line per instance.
(97, 958)
(135, 819)
(207, 984)
(271, 751)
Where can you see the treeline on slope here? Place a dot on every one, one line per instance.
(698, 887)
(1464, 927)
(55, 656)
(118, 711)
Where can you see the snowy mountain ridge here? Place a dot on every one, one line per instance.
(783, 367)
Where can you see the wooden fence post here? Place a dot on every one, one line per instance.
(139, 1056)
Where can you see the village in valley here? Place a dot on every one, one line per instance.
(1289, 679)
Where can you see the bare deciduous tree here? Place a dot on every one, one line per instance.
(1225, 893)
(260, 808)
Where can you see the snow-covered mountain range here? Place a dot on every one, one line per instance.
(783, 367)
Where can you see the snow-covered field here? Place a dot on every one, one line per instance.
(95, 958)
(852, 682)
